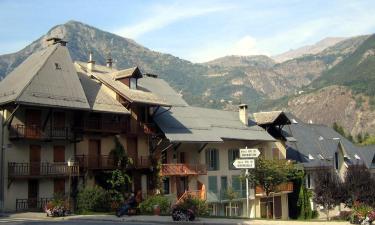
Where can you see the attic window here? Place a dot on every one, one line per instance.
(57, 66)
(357, 157)
(311, 157)
(294, 121)
(320, 156)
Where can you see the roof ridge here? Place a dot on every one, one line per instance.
(40, 67)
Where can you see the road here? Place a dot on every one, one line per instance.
(17, 221)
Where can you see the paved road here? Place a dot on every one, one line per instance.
(20, 221)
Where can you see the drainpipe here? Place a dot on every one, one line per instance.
(2, 161)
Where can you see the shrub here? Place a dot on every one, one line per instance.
(314, 214)
(147, 206)
(93, 199)
(199, 206)
(344, 215)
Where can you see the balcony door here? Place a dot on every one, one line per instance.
(94, 154)
(34, 160)
(33, 191)
(58, 129)
(33, 123)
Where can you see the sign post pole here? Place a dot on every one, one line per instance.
(247, 193)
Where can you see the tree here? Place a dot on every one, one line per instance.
(269, 174)
(359, 186)
(327, 189)
(230, 194)
(303, 203)
(118, 182)
(119, 155)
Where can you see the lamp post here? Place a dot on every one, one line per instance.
(70, 166)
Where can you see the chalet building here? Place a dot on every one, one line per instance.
(200, 146)
(139, 137)
(60, 119)
(47, 112)
(314, 146)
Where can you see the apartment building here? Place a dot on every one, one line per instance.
(200, 148)
(45, 113)
(314, 146)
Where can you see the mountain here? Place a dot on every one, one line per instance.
(308, 49)
(223, 82)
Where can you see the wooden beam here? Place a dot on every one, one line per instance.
(202, 147)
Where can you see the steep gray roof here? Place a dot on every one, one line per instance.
(46, 78)
(316, 141)
(184, 123)
(103, 74)
(98, 99)
(162, 89)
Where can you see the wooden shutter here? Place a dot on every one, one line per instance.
(59, 186)
(59, 153)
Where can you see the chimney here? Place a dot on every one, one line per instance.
(90, 63)
(109, 61)
(244, 118)
(55, 40)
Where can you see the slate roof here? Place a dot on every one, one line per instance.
(103, 74)
(163, 90)
(184, 123)
(98, 99)
(134, 71)
(319, 141)
(46, 78)
(264, 118)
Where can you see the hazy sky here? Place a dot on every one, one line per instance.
(194, 30)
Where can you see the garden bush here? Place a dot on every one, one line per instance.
(314, 214)
(199, 206)
(93, 199)
(147, 206)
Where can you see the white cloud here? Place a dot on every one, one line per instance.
(244, 46)
(162, 16)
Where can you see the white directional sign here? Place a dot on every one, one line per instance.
(244, 163)
(249, 153)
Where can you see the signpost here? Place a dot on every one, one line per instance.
(249, 153)
(244, 163)
(247, 162)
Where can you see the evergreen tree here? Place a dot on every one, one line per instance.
(303, 203)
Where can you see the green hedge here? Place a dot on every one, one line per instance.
(94, 199)
(147, 206)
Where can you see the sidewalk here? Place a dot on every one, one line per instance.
(166, 220)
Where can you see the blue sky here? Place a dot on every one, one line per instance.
(195, 30)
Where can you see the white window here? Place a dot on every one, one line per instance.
(133, 83)
(357, 157)
(311, 157)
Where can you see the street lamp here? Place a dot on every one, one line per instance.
(70, 167)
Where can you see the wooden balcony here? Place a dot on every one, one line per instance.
(282, 188)
(102, 126)
(180, 169)
(21, 131)
(40, 170)
(107, 162)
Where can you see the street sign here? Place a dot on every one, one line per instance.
(249, 153)
(244, 163)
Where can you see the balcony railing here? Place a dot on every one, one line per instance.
(180, 169)
(21, 131)
(45, 169)
(199, 194)
(284, 188)
(101, 125)
(108, 162)
(31, 204)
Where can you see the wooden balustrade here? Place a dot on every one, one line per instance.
(108, 162)
(284, 187)
(179, 169)
(21, 131)
(45, 169)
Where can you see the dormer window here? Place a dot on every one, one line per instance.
(133, 83)
(357, 157)
(320, 156)
(336, 161)
(311, 157)
(57, 66)
(294, 121)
